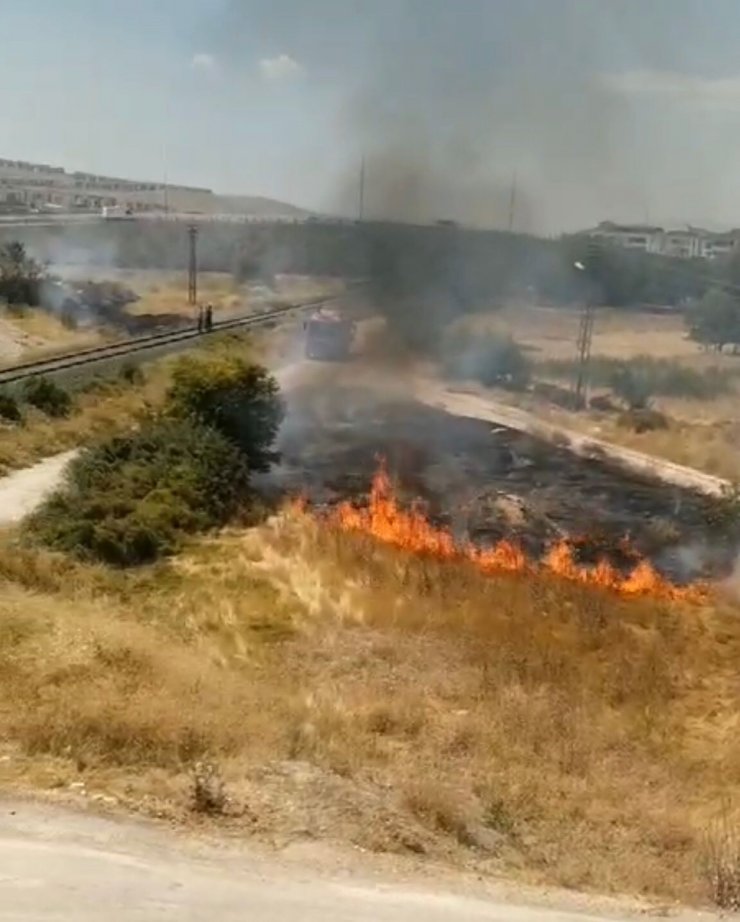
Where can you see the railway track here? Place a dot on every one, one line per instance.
(94, 354)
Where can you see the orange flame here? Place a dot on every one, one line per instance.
(384, 519)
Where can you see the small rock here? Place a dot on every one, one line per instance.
(485, 839)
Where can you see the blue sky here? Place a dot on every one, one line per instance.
(604, 108)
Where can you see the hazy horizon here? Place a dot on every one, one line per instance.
(603, 110)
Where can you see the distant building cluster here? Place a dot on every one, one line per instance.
(691, 243)
(38, 186)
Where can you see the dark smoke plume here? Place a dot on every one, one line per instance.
(447, 100)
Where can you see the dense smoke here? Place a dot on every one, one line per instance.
(597, 106)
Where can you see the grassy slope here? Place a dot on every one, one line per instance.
(348, 691)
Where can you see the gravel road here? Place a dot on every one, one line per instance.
(60, 865)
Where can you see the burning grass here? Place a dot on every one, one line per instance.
(384, 519)
(349, 689)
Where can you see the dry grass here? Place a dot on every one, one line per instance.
(347, 691)
(33, 333)
(96, 414)
(167, 293)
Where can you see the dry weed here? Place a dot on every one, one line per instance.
(209, 790)
(721, 862)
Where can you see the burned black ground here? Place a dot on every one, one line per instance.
(486, 483)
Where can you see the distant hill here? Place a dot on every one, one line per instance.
(257, 205)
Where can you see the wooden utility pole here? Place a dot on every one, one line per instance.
(193, 265)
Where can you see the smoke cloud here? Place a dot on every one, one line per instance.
(603, 109)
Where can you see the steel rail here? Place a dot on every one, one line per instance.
(94, 354)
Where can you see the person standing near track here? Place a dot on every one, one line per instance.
(209, 318)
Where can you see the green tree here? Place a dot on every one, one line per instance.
(20, 275)
(715, 320)
(240, 400)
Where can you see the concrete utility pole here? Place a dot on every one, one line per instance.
(193, 265)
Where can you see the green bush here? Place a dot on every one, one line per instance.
(642, 419)
(634, 386)
(133, 498)
(132, 373)
(489, 358)
(9, 409)
(46, 395)
(240, 400)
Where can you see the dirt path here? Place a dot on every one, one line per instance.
(22, 491)
(59, 865)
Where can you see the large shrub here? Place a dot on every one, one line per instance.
(133, 498)
(9, 409)
(241, 400)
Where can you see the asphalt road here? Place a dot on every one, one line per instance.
(59, 865)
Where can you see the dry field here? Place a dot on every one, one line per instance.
(703, 433)
(344, 691)
(30, 334)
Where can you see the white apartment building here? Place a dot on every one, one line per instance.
(38, 185)
(688, 243)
